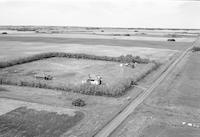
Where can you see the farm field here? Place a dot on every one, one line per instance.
(101, 31)
(107, 36)
(31, 119)
(21, 49)
(62, 38)
(80, 40)
(51, 112)
(173, 109)
(96, 112)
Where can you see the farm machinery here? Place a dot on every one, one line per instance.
(43, 76)
(131, 65)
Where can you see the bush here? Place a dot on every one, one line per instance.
(78, 102)
(127, 35)
(195, 49)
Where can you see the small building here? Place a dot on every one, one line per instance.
(132, 65)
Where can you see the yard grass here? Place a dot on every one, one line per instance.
(68, 74)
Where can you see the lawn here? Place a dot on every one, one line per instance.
(68, 74)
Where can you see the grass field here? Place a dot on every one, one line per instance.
(13, 49)
(172, 110)
(30, 123)
(60, 39)
(164, 130)
(70, 73)
(23, 119)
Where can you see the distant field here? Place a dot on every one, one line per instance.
(141, 36)
(105, 33)
(15, 49)
(71, 72)
(50, 38)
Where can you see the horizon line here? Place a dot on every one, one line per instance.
(98, 27)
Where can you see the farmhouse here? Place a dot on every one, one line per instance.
(96, 80)
(132, 65)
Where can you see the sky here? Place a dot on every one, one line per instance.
(102, 13)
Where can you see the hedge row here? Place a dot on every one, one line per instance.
(127, 58)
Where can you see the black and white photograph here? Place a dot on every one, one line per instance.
(99, 68)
